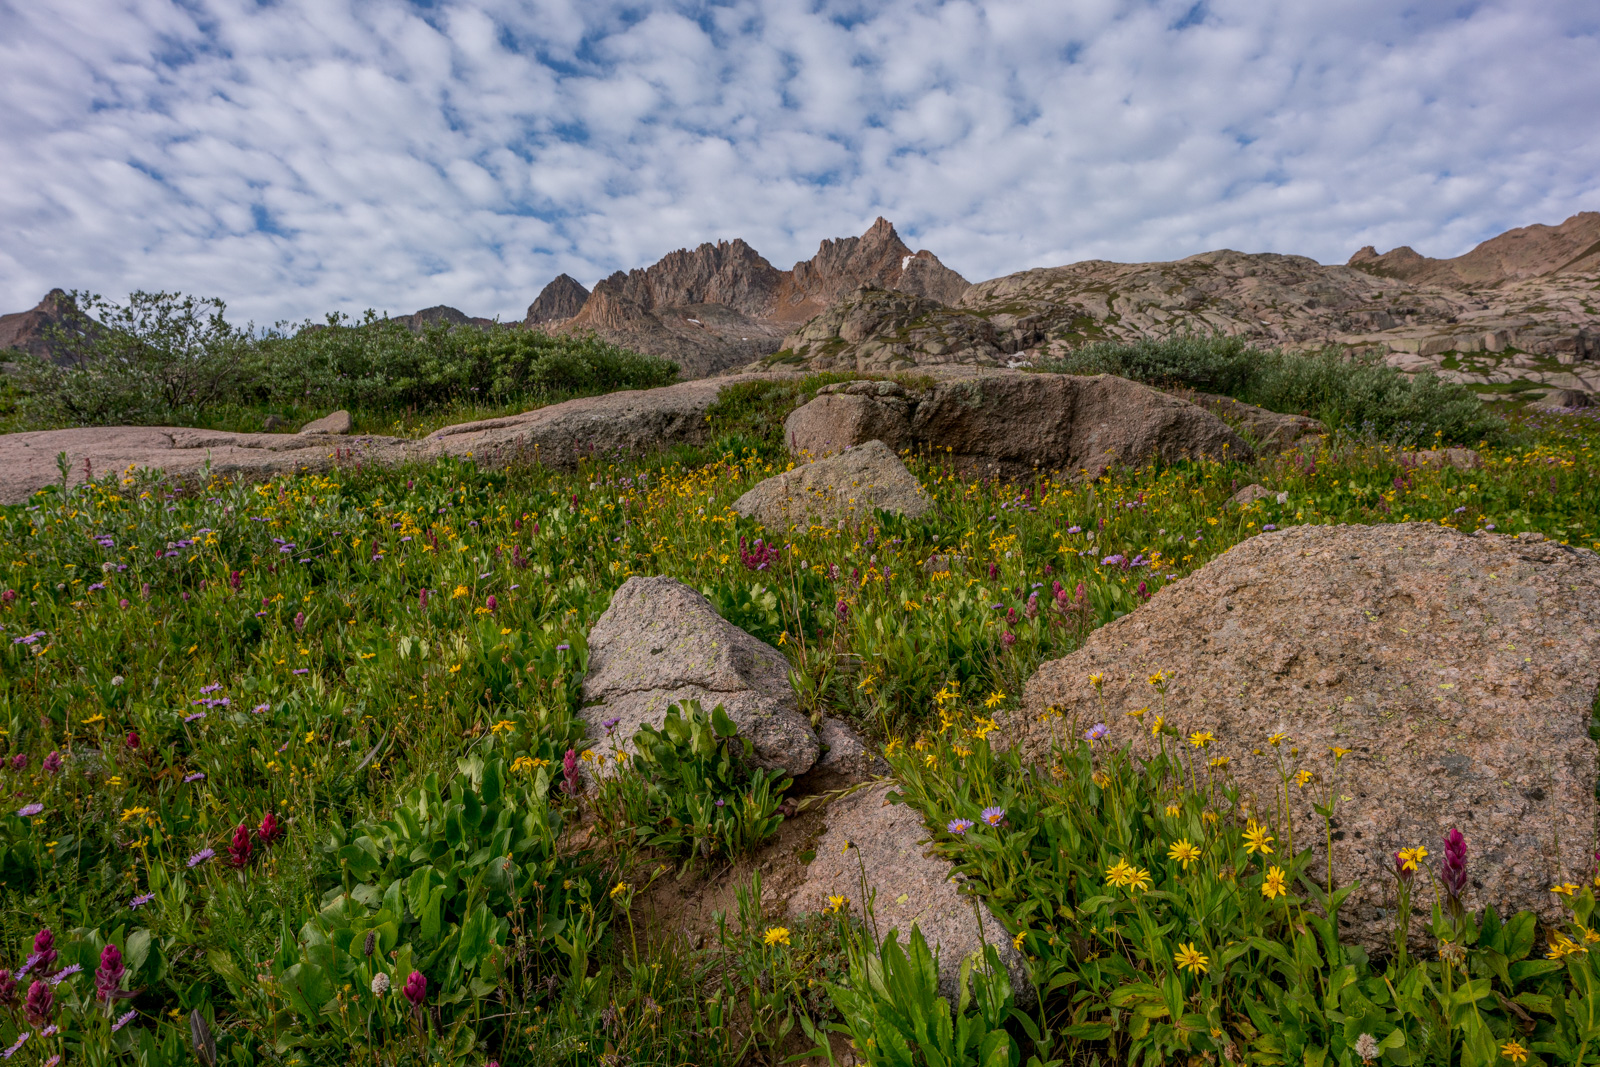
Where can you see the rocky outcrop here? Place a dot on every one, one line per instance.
(1459, 671)
(876, 329)
(1526, 252)
(723, 305)
(556, 302)
(338, 422)
(660, 642)
(1014, 423)
(877, 852)
(48, 329)
(850, 486)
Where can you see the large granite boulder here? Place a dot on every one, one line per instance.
(1460, 671)
(877, 851)
(660, 642)
(1015, 423)
(338, 422)
(850, 485)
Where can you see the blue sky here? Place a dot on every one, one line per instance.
(300, 156)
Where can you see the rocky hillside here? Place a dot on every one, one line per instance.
(721, 305)
(1523, 334)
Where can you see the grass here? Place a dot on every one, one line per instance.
(389, 664)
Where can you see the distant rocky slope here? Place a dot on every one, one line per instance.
(1516, 255)
(722, 305)
(1524, 332)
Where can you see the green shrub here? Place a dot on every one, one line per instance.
(169, 358)
(690, 789)
(1355, 393)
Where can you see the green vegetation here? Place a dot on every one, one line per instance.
(168, 359)
(299, 768)
(1356, 394)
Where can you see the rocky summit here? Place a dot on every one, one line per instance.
(722, 305)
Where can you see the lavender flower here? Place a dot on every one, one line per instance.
(200, 857)
(28, 811)
(993, 816)
(259, 708)
(959, 826)
(65, 973)
(124, 1020)
(196, 716)
(141, 900)
(1097, 732)
(609, 725)
(197, 776)
(12, 1051)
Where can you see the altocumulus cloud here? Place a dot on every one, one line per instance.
(299, 156)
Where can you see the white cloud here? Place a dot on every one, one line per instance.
(305, 155)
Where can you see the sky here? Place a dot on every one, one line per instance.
(295, 157)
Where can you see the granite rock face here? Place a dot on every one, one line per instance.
(850, 485)
(660, 642)
(1460, 671)
(1014, 423)
(886, 846)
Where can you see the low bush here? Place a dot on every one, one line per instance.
(1359, 394)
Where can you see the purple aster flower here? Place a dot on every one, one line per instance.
(1268, 526)
(212, 688)
(65, 973)
(124, 1020)
(197, 776)
(259, 708)
(1097, 732)
(12, 1051)
(141, 900)
(28, 811)
(609, 725)
(1074, 529)
(960, 826)
(562, 648)
(993, 816)
(196, 716)
(200, 857)
(302, 670)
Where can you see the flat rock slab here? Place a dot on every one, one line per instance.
(28, 460)
(660, 642)
(850, 485)
(629, 422)
(1460, 670)
(886, 846)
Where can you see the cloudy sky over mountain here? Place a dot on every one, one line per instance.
(297, 156)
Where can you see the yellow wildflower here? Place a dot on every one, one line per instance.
(836, 904)
(1566, 889)
(1183, 852)
(1272, 885)
(1411, 857)
(1202, 738)
(1188, 958)
(994, 699)
(1513, 1051)
(1256, 838)
(777, 935)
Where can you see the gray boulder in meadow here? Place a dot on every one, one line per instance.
(660, 642)
(850, 485)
